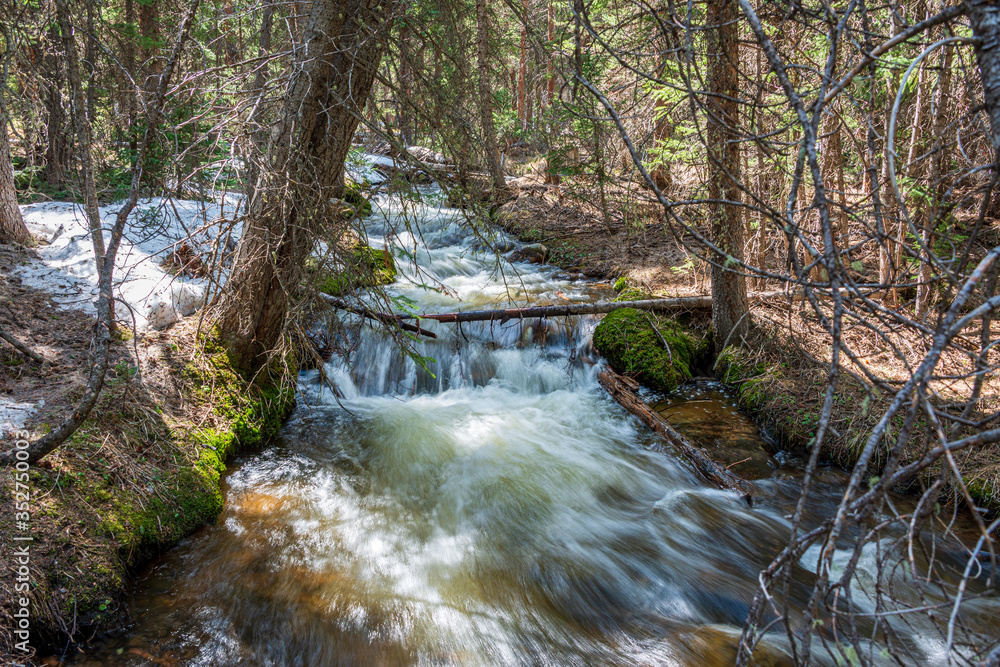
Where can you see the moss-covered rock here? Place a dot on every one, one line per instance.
(354, 195)
(365, 267)
(653, 349)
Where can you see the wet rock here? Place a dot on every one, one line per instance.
(499, 246)
(534, 253)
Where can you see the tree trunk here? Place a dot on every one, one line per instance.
(12, 229)
(550, 84)
(149, 39)
(486, 101)
(90, 55)
(940, 166)
(57, 151)
(833, 168)
(128, 77)
(663, 125)
(985, 18)
(81, 124)
(889, 257)
(522, 66)
(730, 312)
(405, 88)
(343, 44)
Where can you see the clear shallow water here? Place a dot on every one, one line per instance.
(495, 508)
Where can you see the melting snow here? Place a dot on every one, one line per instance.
(156, 229)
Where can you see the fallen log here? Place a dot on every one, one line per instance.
(375, 315)
(619, 388)
(559, 310)
(414, 166)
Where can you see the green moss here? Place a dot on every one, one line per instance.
(131, 522)
(984, 493)
(633, 294)
(353, 195)
(621, 284)
(366, 267)
(631, 344)
(737, 369)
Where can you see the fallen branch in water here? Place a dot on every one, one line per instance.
(22, 348)
(721, 478)
(558, 310)
(393, 320)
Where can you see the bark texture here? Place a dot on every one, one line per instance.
(985, 18)
(730, 319)
(337, 62)
(12, 229)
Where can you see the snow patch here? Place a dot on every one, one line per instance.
(156, 230)
(14, 415)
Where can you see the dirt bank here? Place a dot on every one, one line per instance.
(141, 473)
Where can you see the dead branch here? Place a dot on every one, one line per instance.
(22, 348)
(719, 477)
(374, 315)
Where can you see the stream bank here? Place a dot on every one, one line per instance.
(142, 472)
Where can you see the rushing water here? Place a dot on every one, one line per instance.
(496, 508)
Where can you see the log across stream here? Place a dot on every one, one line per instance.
(482, 500)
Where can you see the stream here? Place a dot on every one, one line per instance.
(493, 508)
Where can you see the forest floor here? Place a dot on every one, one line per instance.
(139, 474)
(781, 372)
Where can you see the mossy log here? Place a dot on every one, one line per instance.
(622, 389)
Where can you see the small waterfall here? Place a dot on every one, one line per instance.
(444, 268)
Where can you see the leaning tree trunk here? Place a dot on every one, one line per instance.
(343, 44)
(12, 229)
(730, 318)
